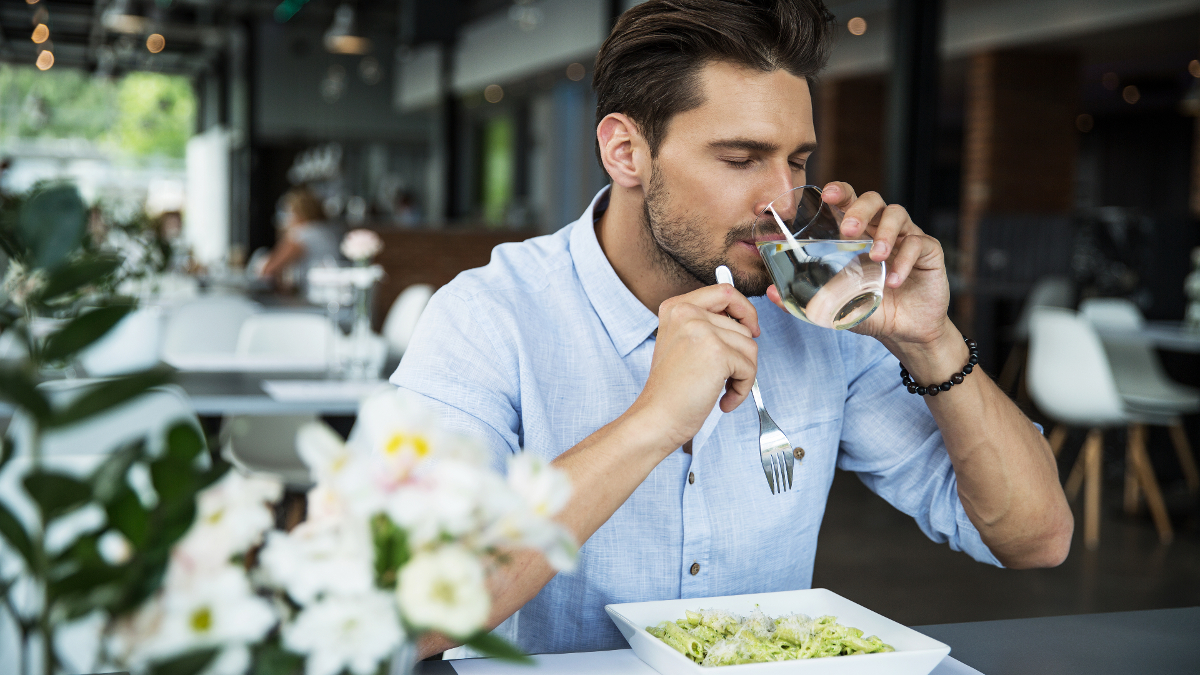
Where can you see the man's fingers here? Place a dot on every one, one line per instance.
(726, 323)
(893, 222)
(725, 299)
(737, 387)
(838, 194)
(908, 252)
(862, 213)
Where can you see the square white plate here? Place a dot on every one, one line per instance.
(915, 654)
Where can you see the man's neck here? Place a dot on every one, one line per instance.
(648, 273)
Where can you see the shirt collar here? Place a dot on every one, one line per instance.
(626, 319)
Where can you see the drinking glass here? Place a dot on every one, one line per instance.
(823, 279)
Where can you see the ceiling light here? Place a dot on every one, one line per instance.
(45, 60)
(575, 72)
(493, 93)
(155, 43)
(341, 38)
(857, 25)
(41, 33)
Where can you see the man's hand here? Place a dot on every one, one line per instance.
(698, 352)
(911, 319)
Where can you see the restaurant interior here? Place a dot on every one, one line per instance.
(1051, 146)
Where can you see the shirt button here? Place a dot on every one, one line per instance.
(691, 478)
(695, 568)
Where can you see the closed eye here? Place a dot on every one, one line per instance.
(738, 163)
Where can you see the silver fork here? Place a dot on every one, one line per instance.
(773, 446)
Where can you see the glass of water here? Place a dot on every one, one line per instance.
(823, 279)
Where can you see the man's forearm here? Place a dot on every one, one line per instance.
(1007, 476)
(605, 468)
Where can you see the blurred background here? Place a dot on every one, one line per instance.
(1051, 146)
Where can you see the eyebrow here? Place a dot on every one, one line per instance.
(753, 145)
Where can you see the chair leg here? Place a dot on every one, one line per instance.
(1184, 450)
(1133, 497)
(1149, 485)
(1012, 368)
(1092, 449)
(1075, 478)
(1058, 436)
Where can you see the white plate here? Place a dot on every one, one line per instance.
(915, 654)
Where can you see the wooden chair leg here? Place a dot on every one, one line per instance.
(1092, 449)
(1149, 485)
(1012, 368)
(1186, 460)
(1075, 478)
(1133, 497)
(1058, 436)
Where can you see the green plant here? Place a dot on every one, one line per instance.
(51, 273)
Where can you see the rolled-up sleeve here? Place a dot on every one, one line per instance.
(891, 441)
(453, 361)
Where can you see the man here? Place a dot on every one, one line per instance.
(606, 345)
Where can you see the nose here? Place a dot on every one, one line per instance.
(776, 192)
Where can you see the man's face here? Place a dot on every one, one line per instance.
(719, 166)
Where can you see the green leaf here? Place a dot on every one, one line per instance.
(188, 664)
(77, 274)
(51, 224)
(6, 451)
(272, 659)
(127, 515)
(391, 550)
(499, 648)
(82, 331)
(14, 533)
(109, 394)
(185, 443)
(109, 478)
(56, 493)
(18, 388)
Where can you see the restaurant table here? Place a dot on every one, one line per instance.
(1160, 641)
(213, 394)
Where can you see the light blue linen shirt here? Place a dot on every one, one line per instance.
(545, 345)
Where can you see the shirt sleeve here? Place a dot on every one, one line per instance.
(456, 362)
(891, 441)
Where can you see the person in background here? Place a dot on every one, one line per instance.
(307, 241)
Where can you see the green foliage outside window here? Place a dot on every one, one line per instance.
(140, 114)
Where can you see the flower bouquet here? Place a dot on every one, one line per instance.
(404, 524)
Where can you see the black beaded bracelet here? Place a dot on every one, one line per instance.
(957, 378)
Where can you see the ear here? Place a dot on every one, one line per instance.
(623, 150)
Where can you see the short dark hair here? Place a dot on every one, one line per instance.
(648, 67)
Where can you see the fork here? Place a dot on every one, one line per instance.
(773, 446)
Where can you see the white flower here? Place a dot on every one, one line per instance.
(343, 477)
(361, 245)
(322, 556)
(19, 283)
(352, 632)
(217, 609)
(231, 516)
(449, 498)
(444, 590)
(545, 489)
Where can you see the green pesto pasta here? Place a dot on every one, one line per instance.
(714, 637)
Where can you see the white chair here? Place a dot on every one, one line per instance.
(207, 326)
(1142, 381)
(267, 444)
(132, 345)
(1047, 292)
(286, 335)
(402, 318)
(1070, 380)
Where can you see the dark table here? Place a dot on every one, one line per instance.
(1159, 641)
(1155, 642)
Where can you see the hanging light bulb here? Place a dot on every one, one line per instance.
(341, 38)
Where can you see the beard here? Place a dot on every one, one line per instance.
(684, 254)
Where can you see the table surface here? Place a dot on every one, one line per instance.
(1160, 641)
(1168, 335)
(215, 394)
